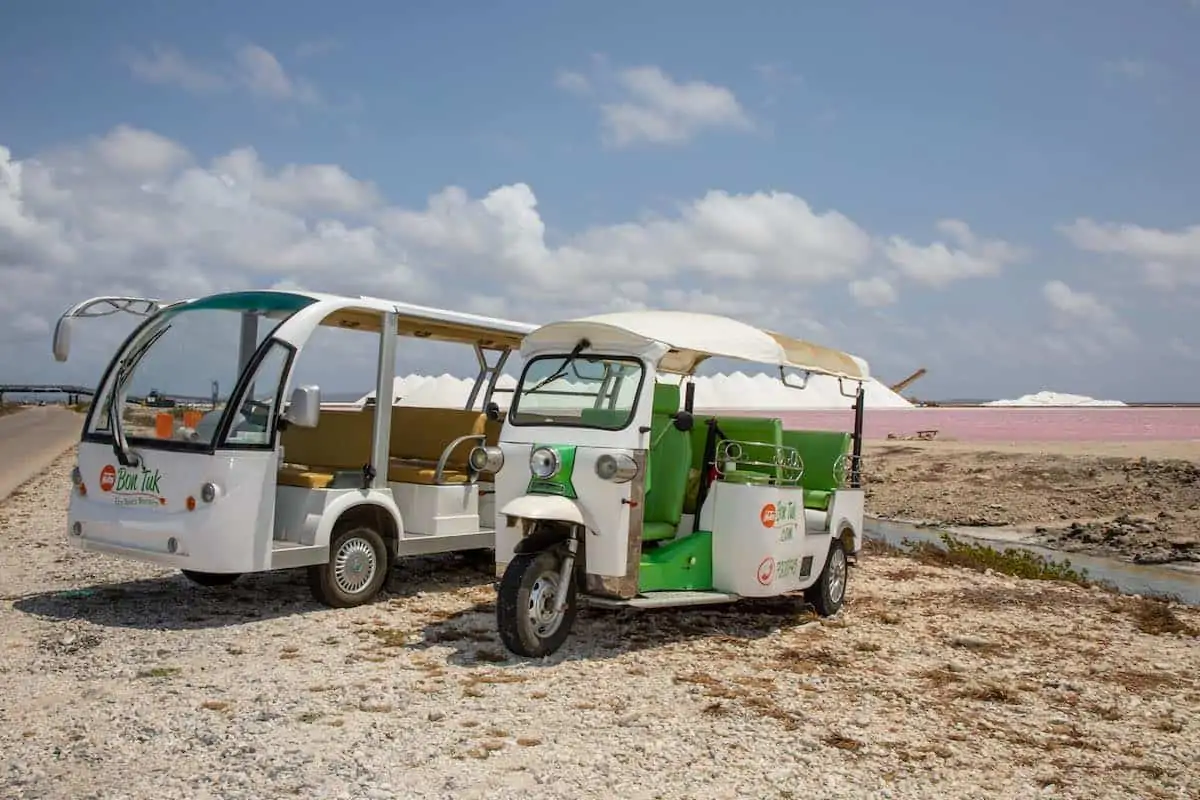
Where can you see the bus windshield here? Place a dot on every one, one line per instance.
(173, 380)
(589, 391)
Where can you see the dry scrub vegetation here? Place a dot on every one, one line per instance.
(124, 681)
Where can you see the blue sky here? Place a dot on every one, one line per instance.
(1015, 118)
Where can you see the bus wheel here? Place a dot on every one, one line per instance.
(525, 615)
(210, 578)
(357, 567)
(829, 592)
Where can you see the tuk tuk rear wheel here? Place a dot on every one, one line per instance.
(828, 594)
(356, 571)
(525, 613)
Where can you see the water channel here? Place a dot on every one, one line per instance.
(1143, 579)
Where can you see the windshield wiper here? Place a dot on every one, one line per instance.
(120, 445)
(562, 370)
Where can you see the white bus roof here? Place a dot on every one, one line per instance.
(694, 337)
(362, 313)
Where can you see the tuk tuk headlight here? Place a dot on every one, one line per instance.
(544, 463)
(486, 459)
(616, 467)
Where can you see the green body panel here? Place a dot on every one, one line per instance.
(820, 451)
(561, 483)
(666, 467)
(681, 565)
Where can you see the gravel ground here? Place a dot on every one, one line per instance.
(124, 681)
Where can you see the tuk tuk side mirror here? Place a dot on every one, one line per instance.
(683, 420)
(305, 407)
(62, 339)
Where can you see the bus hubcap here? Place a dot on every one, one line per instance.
(354, 566)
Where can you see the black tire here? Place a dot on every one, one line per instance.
(519, 589)
(828, 594)
(365, 550)
(210, 578)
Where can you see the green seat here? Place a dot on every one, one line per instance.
(668, 460)
(820, 452)
(764, 430)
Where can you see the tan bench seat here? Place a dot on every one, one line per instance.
(342, 441)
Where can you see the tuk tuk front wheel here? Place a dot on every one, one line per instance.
(829, 592)
(525, 616)
(356, 571)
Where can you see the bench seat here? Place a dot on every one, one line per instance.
(342, 442)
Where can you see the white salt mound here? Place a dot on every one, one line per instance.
(1048, 398)
(735, 391)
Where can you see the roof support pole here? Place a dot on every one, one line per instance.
(385, 392)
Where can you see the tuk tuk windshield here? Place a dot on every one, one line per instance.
(588, 391)
(173, 379)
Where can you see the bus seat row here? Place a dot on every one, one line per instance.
(342, 441)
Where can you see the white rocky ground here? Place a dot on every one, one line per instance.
(124, 681)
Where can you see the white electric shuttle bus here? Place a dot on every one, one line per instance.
(266, 477)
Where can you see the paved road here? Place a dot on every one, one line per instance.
(31, 439)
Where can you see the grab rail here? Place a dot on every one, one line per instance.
(760, 454)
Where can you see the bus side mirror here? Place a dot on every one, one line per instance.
(305, 407)
(62, 339)
(493, 411)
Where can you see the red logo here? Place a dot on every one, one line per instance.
(108, 478)
(766, 570)
(767, 515)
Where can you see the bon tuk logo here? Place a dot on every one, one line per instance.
(132, 487)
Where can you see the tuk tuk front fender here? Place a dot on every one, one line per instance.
(545, 508)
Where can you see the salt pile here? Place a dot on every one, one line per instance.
(735, 391)
(1048, 398)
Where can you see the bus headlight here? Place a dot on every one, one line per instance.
(486, 459)
(616, 467)
(543, 463)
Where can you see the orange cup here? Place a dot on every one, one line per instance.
(164, 424)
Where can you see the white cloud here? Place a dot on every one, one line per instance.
(873, 292)
(1167, 259)
(260, 71)
(166, 65)
(938, 264)
(141, 152)
(135, 213)
(306, 187)
(1075, 305)
(1086, 325)
(647, 105)
(251, 67)
(573, 82)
